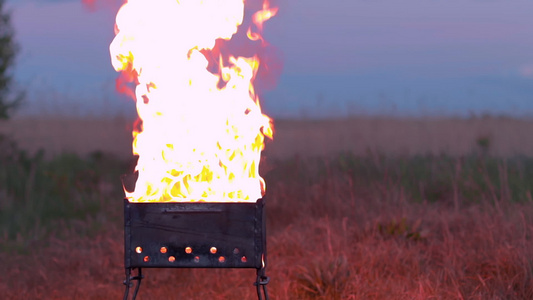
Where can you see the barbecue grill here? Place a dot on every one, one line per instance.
(194, 235)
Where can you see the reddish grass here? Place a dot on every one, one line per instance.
(329, 238)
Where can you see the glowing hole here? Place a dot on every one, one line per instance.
(196, 258)
(138, 249)
(213, 250)
(163, 249)
(221, 259)
(146, 259)
(236, 251)
(243, 259)
(188, 250)
(171, 259)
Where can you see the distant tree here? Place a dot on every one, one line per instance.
(9, 97)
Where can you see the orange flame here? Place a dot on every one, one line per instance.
(201, 132)
(259, 18)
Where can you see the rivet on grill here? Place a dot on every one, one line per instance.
(146, 259)
(221, 259)
(236, 251)
(213, 250)
(138, 249)
(163, 250)
(196, 258)
(188, 250)
(243, 259)
(171, 259)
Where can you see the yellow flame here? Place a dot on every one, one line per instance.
(199, 140)
(259, 18)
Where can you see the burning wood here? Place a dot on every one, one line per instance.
(202, 130)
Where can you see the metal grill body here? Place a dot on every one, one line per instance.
(194, 235)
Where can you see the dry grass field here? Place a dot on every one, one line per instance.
(409, 209)
(400, 137)
(507, 137)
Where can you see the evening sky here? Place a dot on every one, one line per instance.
(341, 57)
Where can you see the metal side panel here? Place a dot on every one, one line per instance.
(194, 235)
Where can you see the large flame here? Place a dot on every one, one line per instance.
(201, 132)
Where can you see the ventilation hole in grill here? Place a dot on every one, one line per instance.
(146, 258)
(221, 259)
(236, 251)
(163, 250)
(197, 259)
(171, 259)
(213, 250)
(188, 250)
(138, 249)
(243, 259)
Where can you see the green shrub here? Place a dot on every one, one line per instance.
(38, 195)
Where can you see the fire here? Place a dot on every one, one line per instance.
(201, 128)
(259, 18)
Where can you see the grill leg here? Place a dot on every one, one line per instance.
(128, 282)
(260, 283)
